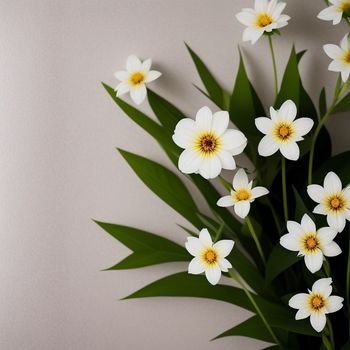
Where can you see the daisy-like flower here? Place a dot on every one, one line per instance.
(310, 243)
(209, 257)
(335, 11)
(265, 17)
(135, 78)
(316, 303)
(209, 145)
(242, 194)
(341, 57)
(282, 132)
(334, 201)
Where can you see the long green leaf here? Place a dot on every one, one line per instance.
(343, 105)
(165, 184)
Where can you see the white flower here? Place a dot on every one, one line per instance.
(209, 257)
(334, 201)
(135, 78)
(242, 194)
(341, 57)
(265, 17)
(310, 243)
(317, 303)
(335, 11)
(209, 145)
(282, 131)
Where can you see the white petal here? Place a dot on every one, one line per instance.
(194, 246)
(121, 75)
(146, 65)
(288, 110)
(337, 66)
(210, 167)
(307, 224)
(316, 193)
(278, 9)
(138, 94)
(122, 89)
(259, 191)
(345, 75)
(336, 221)
(318, 321)
(185, 133)
(346, 193)
(246, 18)
(323, 286)
(344, 43)
(152, 75)
(326, 235)
(205, 238)
(290, 242)
(302, 313)
(224, 264)
(273, 114)
(260, 5)
(238, 150)
(233, 139)
(224, 247)
(265, 125)
(267, 146)
(213, 274)
(271, 5)
(290, 150)
(189, 161)
(314, 261)
(334, 304)
(333, 51)
(347, 214)
(227, 161)
(331, 249)
(330, 14)
(225, 201)
(133, 64)
(332, 183)
(298, 301)
(220, 122)
(252, 34)
(242, 208)
(196, 266)
(294, 227)
(204, 118)
(320, 209)
(240, 180)
(303, 126)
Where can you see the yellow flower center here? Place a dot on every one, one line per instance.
(311, 242)
(137, 78)
(284, 131)
(263, 20)
(210, 256)
(317, 302)
(346, 57)
(207, 143)
(345, 5)
(336, 202)
(242, 195)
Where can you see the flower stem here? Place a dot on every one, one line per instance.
(331, 334)
(255, 305)
(284, 188)
(348, 284)
(337, 96)
(256, 240)
(274, 66)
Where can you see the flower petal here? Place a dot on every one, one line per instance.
(302, 313)
(133, 63)
(152, 75)
(189, 161)
(146, 64)
(330, 14)
(298, 301)
(334, 304)
(288, 110)
(336, 221)
(233, 139)
(225, 201)
(294, 227)
(331, 249)
(259, 191)
(194, 246)
(344, 43)
(320, 209)
(122, 89)
(323, 286)
(138, 94)
(318, 321)
(196, 267)
(307, 224)
(267, 146)
(290, 242)
(264, 125)
(314, 261)
(227, 160)
(224, 264)
(246, 18)
(210, 167)
(121, 75)
(204, 118)
(240, 180)
(316, 193)
(185, 133)
(242, 208)
(220, 122)
(303, 126)
(326, 235)
(224, 247)
(252, 34)
(290, 150)
(333, 51)
(332, 183)
(213, 274)
(205, 238)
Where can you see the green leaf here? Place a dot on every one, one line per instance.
(148, 248)
(215, 91)
(165, 184)
(279, 260)
(300, 207)
(343, 105)
(322, 104)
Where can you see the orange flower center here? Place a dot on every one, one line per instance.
(345, 5)
(284, 131)
(346, 57)
(242, 195)
(264, 20)
(210, 256)
(137, 78)
(311, 243)
(336, 203)
(317, 302)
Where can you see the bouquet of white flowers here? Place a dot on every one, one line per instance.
(286, 242)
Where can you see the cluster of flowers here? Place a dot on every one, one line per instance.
(209, 146)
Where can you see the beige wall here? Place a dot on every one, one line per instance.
(59, 167)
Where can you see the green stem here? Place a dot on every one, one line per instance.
(274, 66)
(325, 117)
(256, 240)
(284, 188)
(255, 305)
(348, 285)
(218, 234)
(275, 217)
(331, 334)
(326, 268)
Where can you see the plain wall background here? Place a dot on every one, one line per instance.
(59, 167)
